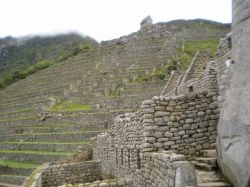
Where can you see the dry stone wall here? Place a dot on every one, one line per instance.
(224, 73)
(144, 168)
(86, 173)
(198, 73)
(49, 175)
(121, 182)
(173, 83)
(75, 173)
(152, 145)
(185, 124)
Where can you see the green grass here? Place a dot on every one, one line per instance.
(10, 175)
(38, 152)
(61, 133)
(33, 175)
(49, 125)
(18, 111)
(186, 54)
(50, 143)
(159, 74)
(16, 119)
(67, 105)
(181, 60)
(38, 53)
(14, 164)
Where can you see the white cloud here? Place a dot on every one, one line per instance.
(101, 19)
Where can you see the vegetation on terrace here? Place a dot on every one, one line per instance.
(37, 152)
(63, 133)
(14, 164)
(20, 57)
(77, 120)
(181, 60)
(67, 105)
(48, 143)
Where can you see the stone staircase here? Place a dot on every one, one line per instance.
(207, 170)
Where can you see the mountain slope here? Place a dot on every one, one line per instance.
(19, 54)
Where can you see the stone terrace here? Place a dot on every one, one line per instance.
(92, 79)
(153, 145)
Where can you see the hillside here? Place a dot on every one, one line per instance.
(19, 56)
(50, 114)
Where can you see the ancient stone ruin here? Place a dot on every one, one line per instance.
(146, 22)
(187, 129)
(108, 81)
(161, 144)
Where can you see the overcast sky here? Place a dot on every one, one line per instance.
(101, 19)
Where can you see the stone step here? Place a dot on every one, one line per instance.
(208, 176)
(207, 160)
(205, 167)
(209, 153)
(215, 184)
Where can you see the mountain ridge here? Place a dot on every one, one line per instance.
(19, 54)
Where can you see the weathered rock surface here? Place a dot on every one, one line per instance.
(185, 176)
(234, 125)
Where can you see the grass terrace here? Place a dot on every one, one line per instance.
(71, 106)
(64, 133)
(38, 152)
(14, 164)
(48, 143)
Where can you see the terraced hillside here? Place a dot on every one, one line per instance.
(51, 113)
(20, 57)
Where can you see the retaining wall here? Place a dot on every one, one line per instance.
(57, 175)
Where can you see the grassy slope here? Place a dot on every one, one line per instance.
(37, 152)
(14, 164)
(182, 59)
(22, 57)
(185, 55)
(67, 105)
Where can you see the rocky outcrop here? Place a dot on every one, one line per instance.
(234, 125)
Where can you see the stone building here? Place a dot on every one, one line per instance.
(146, 22)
